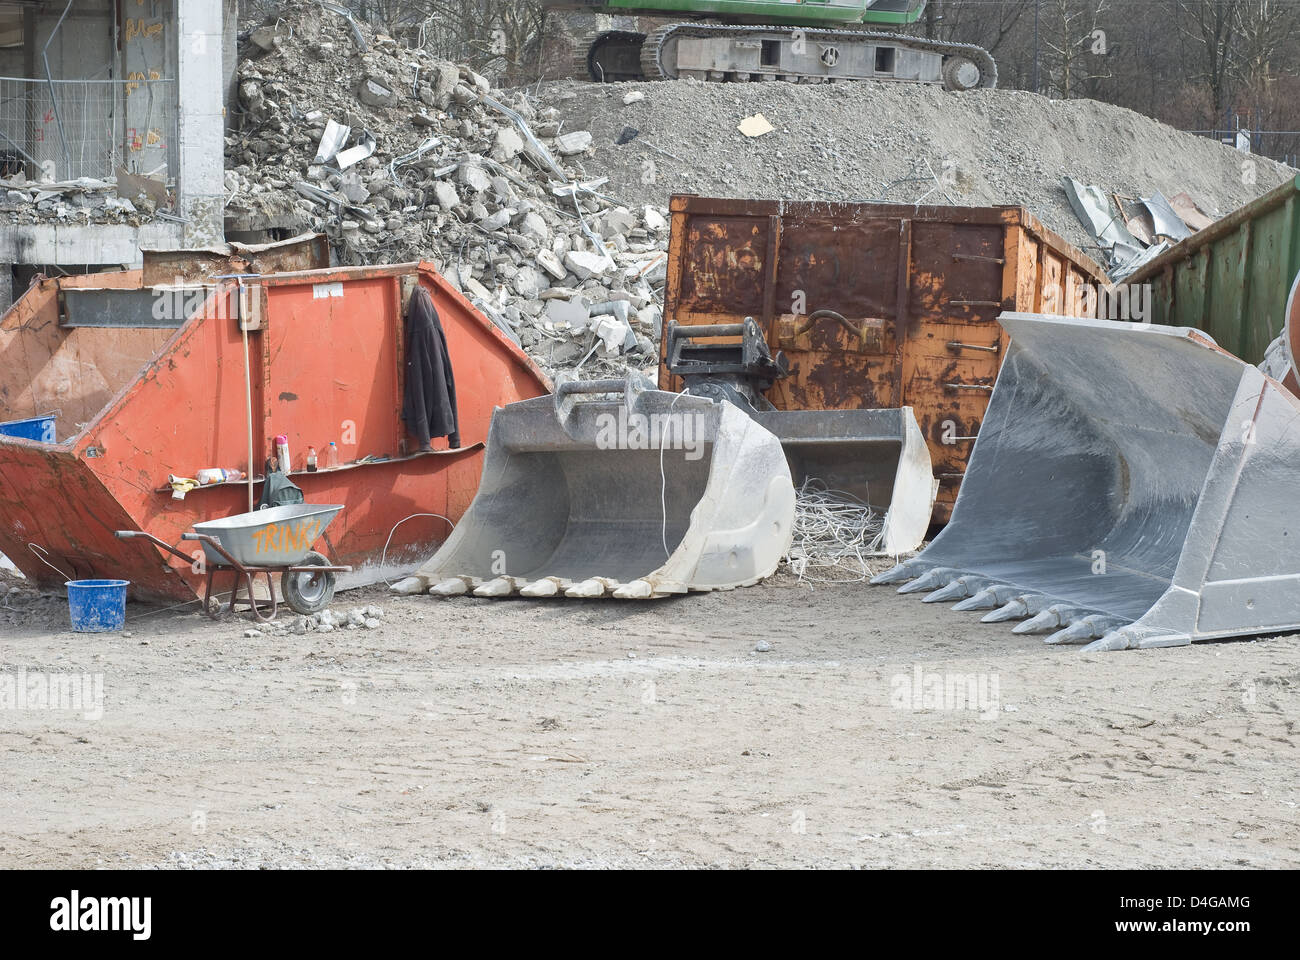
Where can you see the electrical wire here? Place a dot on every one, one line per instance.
(834, 533)
(383, 556)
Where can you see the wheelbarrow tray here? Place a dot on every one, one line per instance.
(275, 537)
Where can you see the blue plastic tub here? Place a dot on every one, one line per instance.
(97, 606)
(36, 428)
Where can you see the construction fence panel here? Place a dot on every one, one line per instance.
(66, 129)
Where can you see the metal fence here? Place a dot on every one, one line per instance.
(1280, 145)
(65, 129)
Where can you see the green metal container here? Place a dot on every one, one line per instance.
(1233, 278)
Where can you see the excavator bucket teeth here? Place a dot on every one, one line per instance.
(959, 589)
(603, 490)
(907, 570)
(1137, 477)
(990, 598)
(931, 580)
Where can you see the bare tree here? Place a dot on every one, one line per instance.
(1209, 27)
(1076, 46)
(499, 38)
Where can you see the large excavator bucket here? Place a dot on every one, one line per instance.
(1132, 486)
(877, 457)
(642, 495)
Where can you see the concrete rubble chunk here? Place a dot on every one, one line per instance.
(476, 289)
(445, 193)
(552, 264)
(474, 176)
(755, 126)
(375, 94)
(619, 221)
(532, 225)
(528, 282)
(586, 265)
(266, 36)
(614, 334)
(496, 221)
(507, 145)
(573, 312)
(571, 144)
(445, 78)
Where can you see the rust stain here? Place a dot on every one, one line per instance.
(915, 314)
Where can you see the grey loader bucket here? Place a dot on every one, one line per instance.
(639, 495)
(1132, 486)
(877, 456)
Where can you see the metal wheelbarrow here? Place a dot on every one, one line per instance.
(263, 543)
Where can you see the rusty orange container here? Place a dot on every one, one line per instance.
(917, 290)
(149, 382)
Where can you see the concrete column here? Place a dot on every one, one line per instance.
(201, 78)
(6, 286)
(231, 61)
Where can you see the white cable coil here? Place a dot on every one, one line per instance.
(834, 534)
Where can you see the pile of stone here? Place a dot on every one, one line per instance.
(22, 605)
(82, 201)
(398, 156)
(327, 621)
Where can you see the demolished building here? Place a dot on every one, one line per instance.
(110, 132)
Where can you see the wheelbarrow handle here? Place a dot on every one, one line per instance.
(210, 541)
(160, 544)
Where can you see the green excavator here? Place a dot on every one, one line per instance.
(807, 41)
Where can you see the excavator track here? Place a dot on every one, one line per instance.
(609, 56)
(958, 66)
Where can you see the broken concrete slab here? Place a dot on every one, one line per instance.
(571, 144)
(586, 265)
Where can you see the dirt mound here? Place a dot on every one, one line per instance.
(902, 143)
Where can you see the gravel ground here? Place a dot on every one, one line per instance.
(850, 141)
(469, 733)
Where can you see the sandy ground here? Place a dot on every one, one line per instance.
(525, 733)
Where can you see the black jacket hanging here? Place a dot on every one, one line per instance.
(429, 404)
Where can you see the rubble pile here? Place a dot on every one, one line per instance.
(81, 201)
(327, 621)
(398, 156)
(21, 604)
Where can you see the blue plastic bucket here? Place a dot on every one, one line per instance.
(37, 428)
(97, 606)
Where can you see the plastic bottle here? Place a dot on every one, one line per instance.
(332, 456)
(282, 453)
(218, 475)
(311, 459)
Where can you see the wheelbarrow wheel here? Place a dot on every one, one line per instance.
(306, 592)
